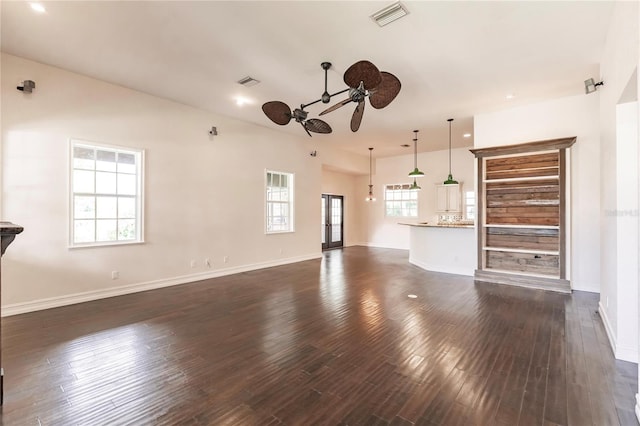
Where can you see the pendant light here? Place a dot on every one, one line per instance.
(450, 180)
(416, 173)
(414, 186)
(370, 197)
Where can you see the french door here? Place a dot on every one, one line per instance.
(332, 221)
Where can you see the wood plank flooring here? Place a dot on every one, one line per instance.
(328, 342)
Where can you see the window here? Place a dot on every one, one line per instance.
(106, 195)
(279, 198)
(400, 201)
(470, 205)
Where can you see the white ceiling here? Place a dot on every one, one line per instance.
(454, 59)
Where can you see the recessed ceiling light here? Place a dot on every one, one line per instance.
(38, 7)
(412, 296)
(466, 135)
(510, 96)
(389, 14)
(240, 101)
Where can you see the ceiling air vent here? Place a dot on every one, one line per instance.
(389, 14)
(248, 81)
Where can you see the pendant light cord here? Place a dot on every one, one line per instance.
(450, 120)
(370, 167)
(450, 180)
(415, 149)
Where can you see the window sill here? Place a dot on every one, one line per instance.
(278, 232)
(104, 244)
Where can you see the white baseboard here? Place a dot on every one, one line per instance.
(71, 299)
(625, 353)
(589, 287)
(447, 269)
(384, 246)
(607, 326)
(621, 352)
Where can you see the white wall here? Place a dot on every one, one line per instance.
(618, 296)
(384, 231)
(336, 183)
(197, 204)
(625, 219)
(571, 116)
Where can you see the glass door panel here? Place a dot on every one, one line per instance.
(332, 221)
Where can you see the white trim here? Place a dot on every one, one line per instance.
(378, 245)
(356, 244)
(591, 288)
(447, 269)
(71, 299)
(290, 202)
(607, 326)
(624, 353)
(402, 188)
(139, 155)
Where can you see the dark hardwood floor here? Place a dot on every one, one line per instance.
(334, 342)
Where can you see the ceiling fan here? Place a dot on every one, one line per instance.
(281, 114)
(365, 80)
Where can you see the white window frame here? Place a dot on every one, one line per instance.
(139, 196)
(469, 208)
(400, 187)
(290, 202)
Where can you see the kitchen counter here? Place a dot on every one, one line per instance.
(438, 225)
(434, 247)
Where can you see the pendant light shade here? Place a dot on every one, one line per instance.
(450, 180)
(370, 197)
(416, 173)
(414, 186)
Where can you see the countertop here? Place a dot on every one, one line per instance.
(437, 225)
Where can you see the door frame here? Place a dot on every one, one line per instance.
(328, 231)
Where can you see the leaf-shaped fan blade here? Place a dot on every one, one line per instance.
(317, 126)
(386, 91)
(278, 112)
(336, 106)
(356, 119)
(305, 128)
(363, 71)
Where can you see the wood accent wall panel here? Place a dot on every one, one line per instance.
(523, 238)
(522, 166)
(544, 264)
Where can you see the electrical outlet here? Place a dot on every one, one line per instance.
(193, 263)
(115, 275)
(225, 259)
(207, 262)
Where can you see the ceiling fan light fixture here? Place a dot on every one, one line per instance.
(389, 14)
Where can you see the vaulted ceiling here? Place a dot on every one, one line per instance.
(454, 59)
